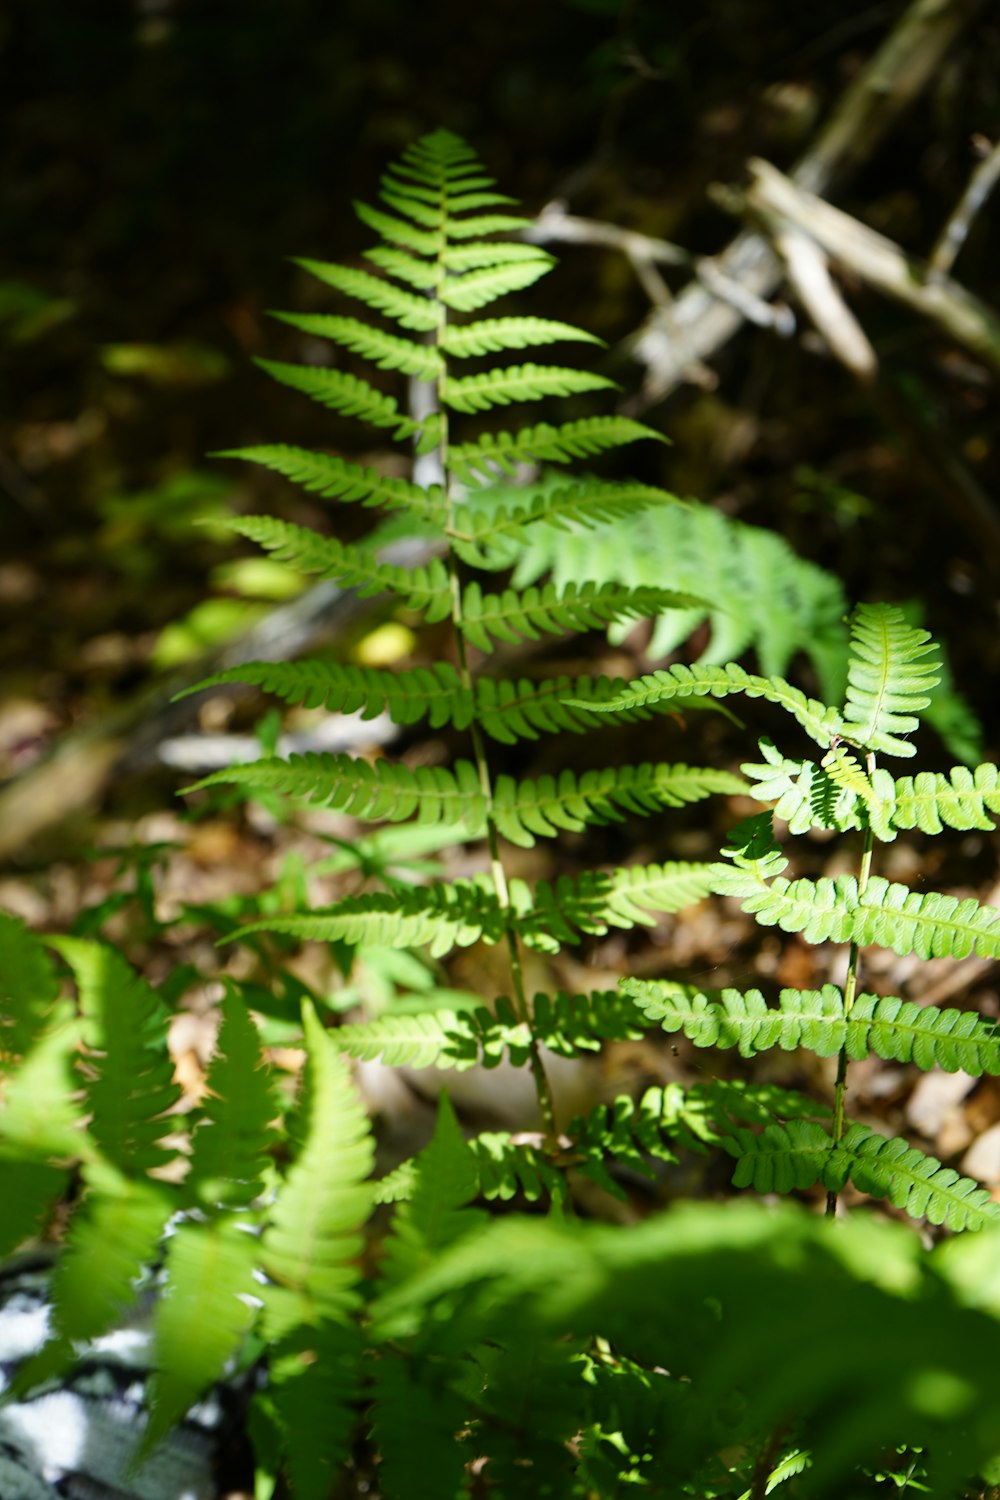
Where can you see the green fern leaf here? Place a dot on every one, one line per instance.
(436, 1213)
(312, 1242)
(594, 902)
(386, 791)
(28, 990)
(230, 1148)
(313, 1379)
(469, 290)
(513, 710)
(492, 335)
(43, 1110)
(389, 227)
(344, 393)
(509, 1168)
(445, 916)
(892, 1028)
(891, 671)
(421, 274)
(460, 258)
(440, 1038)
(30, 1192)
(820, 722)
(480, 224)
(932, 800)
(409, 311)
(131, 1086)
(802, 792)
(543, 443)
(416, 1416)
(546, 804)
(386, 350)
(433, 693)
(886, 1167)
(335, 479)
(783, 1158)
(582, 504)
(425, 589)
(210, 1288)
(113, 1238)
(472, 393)
(557, 611)
(874, 795)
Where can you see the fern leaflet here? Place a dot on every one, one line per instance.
(386, 350)
(347, 394)
(891, 671)
(408, 310)
(491, 335)
(502, 451)
(502, 387)
(335, 478)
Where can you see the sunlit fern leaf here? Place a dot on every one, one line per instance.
(498, 253)
(348, 394)
(386, 350)
(782, 1158)
(408, 309)
(470, 290)
(933, 800)
(886, 1167)
(501, 452)
(311, 1244)
(524, 709)
(478, 534)
(44, 1111)
(395, 1185)
(887, 1026)
(480, 224)
(443, 916)
(230, 1147)
(112, 1240)
(545, 804)
(314, 1375)
(424, 588)
(594, 902)
(391, 227)
(433, 693)
(802, 792)
(509, 1168)
(819, 721)
(202, 1317)
(873, 795)
(891, 670)
(28, 989)
(492, 335)
(432, 794)
(421, 274)
(501, 387)
(440, 1038)
(436, 1212)
(130, 1085)
(335, 478)
(549, 610)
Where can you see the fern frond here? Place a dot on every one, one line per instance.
(399, 232)
(892, 668)
(210, 1288)
(421, 274)
(507, 1169)
(230, 1147)
(131, 1086)
(383, 791)
(416, 1416)
(802, 792)
(468, 291)
(557, 611)
(445, 916)
(543, 443)
(311, 1244)
(543, 805)
(886, 1167)
(43, 1106)
(433, 693)
(492, 335)
(819, 721)
(460, 258)
(29, 1191)
(594, 902)
(348, 394)
(873, 794)
(512, 710)
(962, 798)
(386, 350)
(313, 1379)
(501, 387)
(436, 1214)
(425, 589)
(408, 310)
(335, 479)
(890, 1027)
(28, 990)
(480, 224)
(585, 504)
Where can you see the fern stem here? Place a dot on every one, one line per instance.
(850, 993)
(543, 1088)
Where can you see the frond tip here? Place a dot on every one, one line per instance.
(893, 667)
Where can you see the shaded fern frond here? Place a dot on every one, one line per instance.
(408, 310)
(348, 394)
(425, 589)
(890, 1027)
(594, 902)
(502, 387)
(28, 989)
(336, 479)
(891, 671)
(435, 1214)
(545, 444)
(230, 1148)
(819, 721)
(386, 350)
(313, 1376)
(582, 504)
(508, 1169)
(131, 1085)
(512, 710)
(434, 693)
(557, 611)
(492, 335)
(383, 791)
